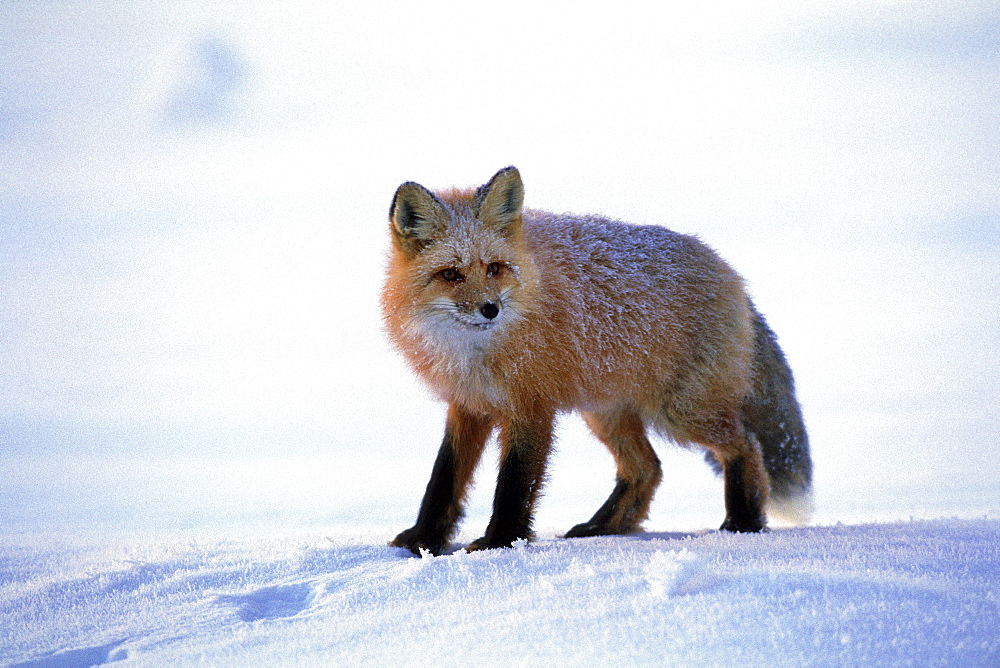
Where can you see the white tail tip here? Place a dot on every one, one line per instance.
(792, 510)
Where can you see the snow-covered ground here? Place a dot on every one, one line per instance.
(917, 593)
(205, 442)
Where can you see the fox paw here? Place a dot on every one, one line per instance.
(486, 544)
(588, 529)
(744, 525)
(477, 545)
(600, 529)
(415, 543)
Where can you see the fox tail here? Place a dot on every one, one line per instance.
(771, 414)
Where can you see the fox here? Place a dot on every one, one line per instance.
(515, 316)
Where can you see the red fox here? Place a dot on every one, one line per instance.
(514, 315)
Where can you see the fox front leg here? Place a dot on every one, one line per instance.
(465, 436)
(525, 449)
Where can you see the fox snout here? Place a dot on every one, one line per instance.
(481, 314)
(484, 313)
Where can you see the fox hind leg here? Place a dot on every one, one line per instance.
(745, 482)
(638, 475)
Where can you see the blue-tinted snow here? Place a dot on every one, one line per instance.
(922, 593)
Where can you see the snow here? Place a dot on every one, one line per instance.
(206, 442)
(924, 593)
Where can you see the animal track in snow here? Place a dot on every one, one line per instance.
(275, 602)
(676, 573)
(83, 656)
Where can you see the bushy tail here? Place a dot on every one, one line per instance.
(772, 415)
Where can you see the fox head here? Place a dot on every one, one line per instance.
(458, 259)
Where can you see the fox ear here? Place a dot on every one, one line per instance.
(417, 217)
(499, 201)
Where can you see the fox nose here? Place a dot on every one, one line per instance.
(489, 310)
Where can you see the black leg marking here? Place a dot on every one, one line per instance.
(599, 524)
(516, 490)
(744, 505)
(439, 511)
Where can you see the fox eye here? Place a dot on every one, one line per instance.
(450, 274)
(493, 268)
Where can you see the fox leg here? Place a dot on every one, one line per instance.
(525, 446)
(745, 482)
(638, 475)
(465, 437)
